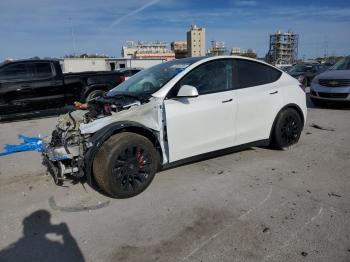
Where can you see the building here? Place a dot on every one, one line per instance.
(196, 41)
(145, 50)
(236, 51)
(217, 48)
(247, 53)
(119, 63)
(77, 64)
(283, 48)
(179, 48)
(74, 65)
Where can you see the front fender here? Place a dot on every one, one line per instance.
(106, 132)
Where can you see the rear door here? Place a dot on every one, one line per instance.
(259, 98)
(15, 88)
(205, 123)
(47, 86)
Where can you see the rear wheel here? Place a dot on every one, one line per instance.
(125, 165)
(287, 129)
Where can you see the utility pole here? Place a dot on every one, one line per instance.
(73, 37)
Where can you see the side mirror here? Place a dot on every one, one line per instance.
(187, 91)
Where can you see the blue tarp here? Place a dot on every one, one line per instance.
(29, 144)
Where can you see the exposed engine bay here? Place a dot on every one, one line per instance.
(65, 150)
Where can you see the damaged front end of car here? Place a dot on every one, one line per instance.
(69, 152)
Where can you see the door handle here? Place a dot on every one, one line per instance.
(25, 85)
(275, 92)
(226, 101)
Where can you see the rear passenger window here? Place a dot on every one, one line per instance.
(252, 73)
(42, 70)
(12, 72)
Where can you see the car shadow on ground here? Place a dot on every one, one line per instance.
(43, 241)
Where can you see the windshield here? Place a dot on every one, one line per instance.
(149, 81)
(297, 68)
(342, 64)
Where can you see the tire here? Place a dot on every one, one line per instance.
(317, 102)
(125, 165)
(287, 129)
(93, 94)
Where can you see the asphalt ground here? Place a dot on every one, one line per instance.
(255, 205)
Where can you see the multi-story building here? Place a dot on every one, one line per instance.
(283, 48)
(179, 48)
(144, 50)
(236, 51)
(196, 41)
(247, 53)
(217, 48)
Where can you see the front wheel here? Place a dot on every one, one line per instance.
(125, 165)
(287, 129)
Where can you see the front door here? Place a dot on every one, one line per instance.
(205, 123)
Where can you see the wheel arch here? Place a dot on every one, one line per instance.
(105, 133)
(293, 106)
(88, 89)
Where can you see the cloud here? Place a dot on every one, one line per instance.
(246, 3)
(132, 13)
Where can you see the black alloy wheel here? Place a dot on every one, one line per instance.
(125, 165)
(287, 129)
(290, 130)
(132, 167)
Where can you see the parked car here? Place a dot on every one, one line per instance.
(332, 85)
(286, 68)
(30, 87)
(306, 72)
(171, 113)
(126, 73)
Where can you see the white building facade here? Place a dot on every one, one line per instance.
(196, 41)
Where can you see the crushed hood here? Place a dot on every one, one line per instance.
(147, 114)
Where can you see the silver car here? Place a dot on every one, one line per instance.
(332, 85)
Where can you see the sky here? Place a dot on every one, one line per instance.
(44, 27)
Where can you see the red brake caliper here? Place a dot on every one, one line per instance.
(140, 159)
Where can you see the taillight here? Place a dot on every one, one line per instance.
(122, 78)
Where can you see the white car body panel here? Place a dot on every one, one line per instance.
(257, 109)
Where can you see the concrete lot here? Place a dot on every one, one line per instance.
(254, 205)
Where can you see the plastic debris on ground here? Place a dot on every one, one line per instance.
(28, 144)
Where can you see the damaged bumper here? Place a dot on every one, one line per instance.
(70, 151)
(62, 165)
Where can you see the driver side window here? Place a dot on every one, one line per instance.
(211, 77)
